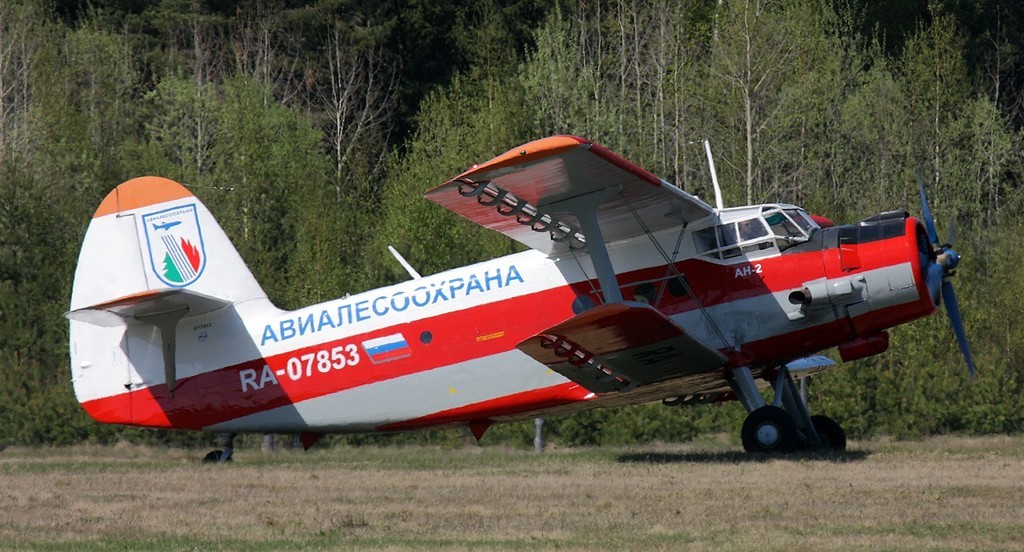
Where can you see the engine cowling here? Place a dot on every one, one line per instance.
(879, 273)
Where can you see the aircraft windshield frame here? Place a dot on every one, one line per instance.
(774, 228)
(789, 226)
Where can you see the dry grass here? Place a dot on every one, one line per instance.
(940, 494)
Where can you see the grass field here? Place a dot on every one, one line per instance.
(939, 494)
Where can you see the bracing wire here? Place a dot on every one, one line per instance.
(672, 268)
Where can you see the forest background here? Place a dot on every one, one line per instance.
(312, 129)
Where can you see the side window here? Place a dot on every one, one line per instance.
(783, 228)
(751, 229)
(727, 234)
(704, 240)
(728, 241)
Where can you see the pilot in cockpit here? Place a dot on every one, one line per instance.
(752, 229)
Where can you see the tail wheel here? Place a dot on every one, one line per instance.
(769, 429)
(832, 435)
(212, 457)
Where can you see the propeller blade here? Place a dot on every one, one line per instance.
(929, 223)
(953, 310)
(951, 235)
(933, 279)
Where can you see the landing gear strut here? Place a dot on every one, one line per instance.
(770, 428)
(227, 444)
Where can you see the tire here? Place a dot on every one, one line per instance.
(769, 430)
(832, 435)
(213, 457)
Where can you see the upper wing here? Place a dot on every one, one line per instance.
(617, 346)
(532, 194)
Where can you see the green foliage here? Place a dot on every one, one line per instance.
(313, 131)
(268, 157)
(180, 126)
(628, 78)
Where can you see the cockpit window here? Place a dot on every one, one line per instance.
(801, 219)
(785, 230)
(705, 240)
(751, 229)
(727, 241)
(731, 239)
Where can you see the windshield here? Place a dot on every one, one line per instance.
(801, 219)
(787, 231)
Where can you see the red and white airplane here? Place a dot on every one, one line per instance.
(632, 291)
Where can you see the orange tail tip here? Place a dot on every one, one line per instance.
(140, 192)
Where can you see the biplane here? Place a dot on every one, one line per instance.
(630, 291)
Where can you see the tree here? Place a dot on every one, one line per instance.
(181, 127)
(753, 51)
(265, 158)
(22, 31)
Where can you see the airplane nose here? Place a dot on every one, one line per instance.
(949, 259)
(931, 271)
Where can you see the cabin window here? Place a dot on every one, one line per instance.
(751, 229)
(645, 293)
(704, 240)
(729, 240)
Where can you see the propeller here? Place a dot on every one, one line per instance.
(940, 268)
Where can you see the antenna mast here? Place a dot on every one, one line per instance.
(714, 176)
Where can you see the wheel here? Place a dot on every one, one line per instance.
(769, 429)
(213, 457)
(832, 435)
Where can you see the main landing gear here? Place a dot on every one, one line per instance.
(770, 428)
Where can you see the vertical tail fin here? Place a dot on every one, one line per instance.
(151, 234)
(152, 255)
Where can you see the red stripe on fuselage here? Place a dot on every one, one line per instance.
(715, 284)
(216, 396)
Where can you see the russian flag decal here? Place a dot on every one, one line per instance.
(387, 348)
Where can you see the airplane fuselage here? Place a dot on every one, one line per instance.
(442, 350)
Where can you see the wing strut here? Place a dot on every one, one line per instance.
(585, 210)
(673, 270)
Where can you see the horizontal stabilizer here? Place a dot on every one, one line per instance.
(159, 308)
(617, 346)
(142, 307)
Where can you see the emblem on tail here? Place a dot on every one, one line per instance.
(175, 243)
